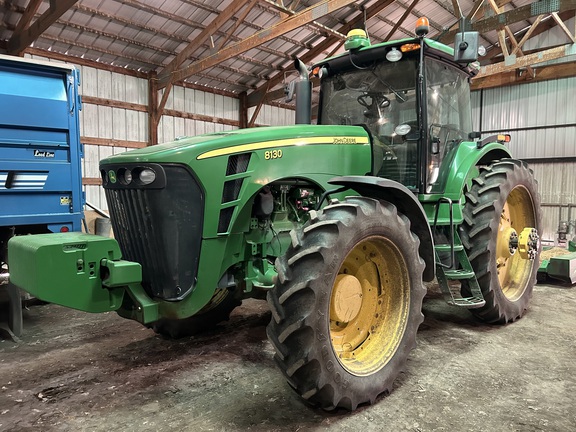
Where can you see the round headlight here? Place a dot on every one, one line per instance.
(147, 176)
(127, 176)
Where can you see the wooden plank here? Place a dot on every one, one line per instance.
(544, 73)
(113, 103)
(97, 181)
(111, 142)
(513, 63)
(201, 117)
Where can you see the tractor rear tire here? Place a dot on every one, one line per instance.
(223, 302)
(504, 195)
(347, 303)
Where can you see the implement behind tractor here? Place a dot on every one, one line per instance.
(338, 224)
(40, 155)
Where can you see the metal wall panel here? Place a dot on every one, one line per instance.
(540, 117)
(273, 116)
(557, 185)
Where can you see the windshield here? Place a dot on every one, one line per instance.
(383, 98)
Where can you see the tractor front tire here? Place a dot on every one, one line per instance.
(223, 302)
(504, 197)
(347, 303)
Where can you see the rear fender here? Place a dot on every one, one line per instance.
(405, 201)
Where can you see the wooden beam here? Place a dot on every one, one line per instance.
(19, 42)
(91, 100)
(513, 63)
(112, 142)
(239, 21)
(84, 62)
(165, 77)
(91, 181)
(243, 114)
(26, 17)
(324, 30)
(563, 27)
(401, 20)
(527, 34)
(256, 96)
(153, 118)
(544, 73)
(284, 26)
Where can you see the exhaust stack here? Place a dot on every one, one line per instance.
(303, 90)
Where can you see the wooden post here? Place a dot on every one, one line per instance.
(243, 115)
(153, 118)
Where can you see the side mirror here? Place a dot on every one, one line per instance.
(289, 91)
(466, 47)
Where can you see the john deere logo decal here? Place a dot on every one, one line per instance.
(112, 176)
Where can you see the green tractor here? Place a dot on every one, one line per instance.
(337, 224)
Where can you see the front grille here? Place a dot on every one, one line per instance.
(160, 228)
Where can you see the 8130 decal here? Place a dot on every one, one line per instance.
(272, 154)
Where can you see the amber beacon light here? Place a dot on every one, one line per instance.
(422, 27)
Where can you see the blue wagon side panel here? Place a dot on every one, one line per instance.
(40, 150)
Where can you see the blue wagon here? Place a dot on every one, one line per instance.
(40, 156)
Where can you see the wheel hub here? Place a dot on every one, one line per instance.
(346, 298)
(528, 243)
(509, 242)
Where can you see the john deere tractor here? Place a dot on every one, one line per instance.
(337, 224)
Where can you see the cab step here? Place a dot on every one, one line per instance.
(462, 273)
(458, 274)
(448, 248)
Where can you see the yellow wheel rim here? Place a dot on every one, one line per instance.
(514, 271)
(369, 306)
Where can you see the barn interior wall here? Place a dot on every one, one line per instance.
(541, 120)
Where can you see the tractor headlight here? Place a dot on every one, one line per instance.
(127, 176)
(147, 176)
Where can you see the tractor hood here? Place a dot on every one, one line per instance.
(186, 150)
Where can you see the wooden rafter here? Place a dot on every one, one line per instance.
(165, 76)
(528, 34)
(19, 41)
(282, 27)
(249, 5)
(401, 20)
(563, 27)
(257, 96)
(27, 16)
(286, 12)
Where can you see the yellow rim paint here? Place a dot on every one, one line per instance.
(513, 270)
(369, 306)
(330, 140)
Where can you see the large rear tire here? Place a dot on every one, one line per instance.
(347, 303)
(223, 302)
(502, 199)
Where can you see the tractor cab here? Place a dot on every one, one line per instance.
(411, 97)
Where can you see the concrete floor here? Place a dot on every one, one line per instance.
(74, 371)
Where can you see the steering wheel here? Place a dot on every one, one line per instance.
(376, 100)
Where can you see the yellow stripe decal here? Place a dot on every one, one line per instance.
(284, 143)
